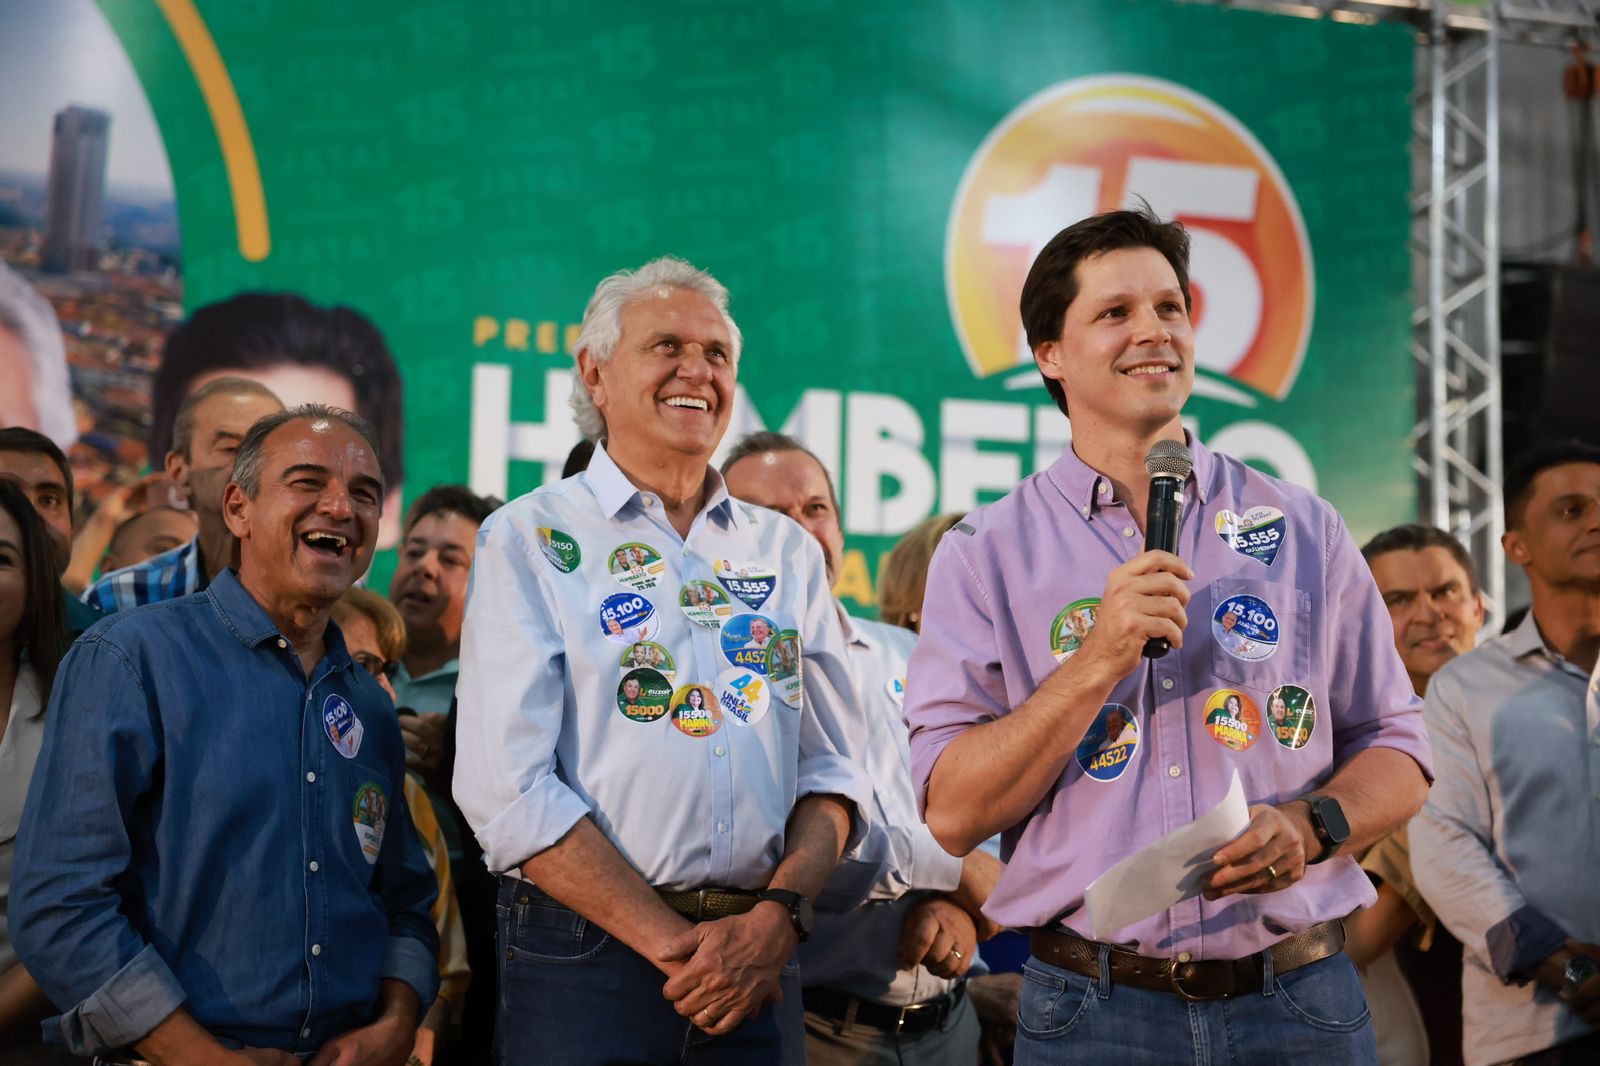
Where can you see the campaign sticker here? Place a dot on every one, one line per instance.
(647, 654)
(1246, 628)
(785, 667)
(1257, 533)
(559, 549)
(344, 729)
(752, 583)
(1108, 747)
(742, 696)
(643, 695)
(638, 566)
(896, 688)
(745, 638)
(1232, 719)
(627, 618)
(705, 604)
(1291, 716)
(695, 712)
(1071, 626)
(370, 813)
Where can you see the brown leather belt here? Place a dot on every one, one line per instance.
(707, 904)
(1209, 979)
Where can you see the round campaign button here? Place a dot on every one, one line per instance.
(370, 813)
(638, 566)
(643, 695)
(705, 604)
(1108, 748)
(1291, 715)
(695, 712)
(1232, 719)
(745, 638)
(627, 618)
(343, 728)
(559, 549)
(648, 654)
(785, 666)
(1258, 533)
(752, 583)
(896, 688)
(1246, 627)
(742, 695)
(1070, 628)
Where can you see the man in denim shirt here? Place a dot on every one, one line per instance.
(215, 863)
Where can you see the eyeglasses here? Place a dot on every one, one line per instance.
(376, 666)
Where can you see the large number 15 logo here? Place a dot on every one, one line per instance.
(1095, 144)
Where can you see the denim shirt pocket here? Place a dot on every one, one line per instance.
(1290, 620)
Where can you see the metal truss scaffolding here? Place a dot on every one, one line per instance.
(1456, 245)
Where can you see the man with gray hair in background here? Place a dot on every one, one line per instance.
(660, 854)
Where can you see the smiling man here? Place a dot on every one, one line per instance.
(216, 854)
(1003, 713)
(658, 868)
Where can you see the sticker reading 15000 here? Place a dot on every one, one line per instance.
(1108, 747)
(1246, 627)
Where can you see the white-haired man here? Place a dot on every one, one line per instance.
(659, 869)
(33, 363)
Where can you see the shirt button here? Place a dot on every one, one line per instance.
(1184, 956)
(722, 827)
(305, 1032)
(314, 866)
(718, 750)
(648, 501)
(1174, 770)
(1166, 683)
(1127, 531)
(282, 643)
(316, 949)
(1086, 512)
(311, 775)
(1105, 487)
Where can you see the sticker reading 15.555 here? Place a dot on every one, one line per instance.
(1257, 533)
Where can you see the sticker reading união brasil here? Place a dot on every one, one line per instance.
(752, 583)
(695, 712)
(559, 549)
(370, 813)
(705, 604)
(896, 688)
(343, 728)
(1246, 627)
(785, 667)
(1108, 747)
(742, 695)
(627, 618)
(1257, 533)
(643, 695)
(1291, 715)
(1232, 719)
(638, 566)
(745, 638)
(647, 653)
(1071, 626)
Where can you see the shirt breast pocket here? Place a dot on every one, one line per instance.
(1260, 633)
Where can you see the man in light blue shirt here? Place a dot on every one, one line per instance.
(883, 979)
(721, 796)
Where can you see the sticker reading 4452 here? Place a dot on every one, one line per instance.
(1257, 533)
(1108, 747)
(559, 549)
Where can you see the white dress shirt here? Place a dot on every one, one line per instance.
(541, 742)
(19, 750)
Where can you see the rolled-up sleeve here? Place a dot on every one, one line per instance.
(954, 681)
(510, 701)
(1451, 851)
(96, 765)
(1373, 702)
(833, 732)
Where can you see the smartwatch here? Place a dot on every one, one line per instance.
(801, 915)
(1332, 829)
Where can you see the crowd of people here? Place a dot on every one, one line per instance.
(610, 775)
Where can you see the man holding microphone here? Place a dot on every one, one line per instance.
(1000, 704)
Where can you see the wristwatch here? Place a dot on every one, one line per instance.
(801, 916)
(1328, 820)
(1580, 968)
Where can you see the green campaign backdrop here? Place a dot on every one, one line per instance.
(465, 172)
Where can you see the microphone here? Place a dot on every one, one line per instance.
(1168, 465)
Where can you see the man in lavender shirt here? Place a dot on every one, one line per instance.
(1009, 718)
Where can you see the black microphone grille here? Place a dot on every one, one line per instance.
(1170, 458)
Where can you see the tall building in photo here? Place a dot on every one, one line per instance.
(76, 211)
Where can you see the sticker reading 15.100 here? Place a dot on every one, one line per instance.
(1246, 627)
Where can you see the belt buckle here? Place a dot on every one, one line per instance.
(700, 907)
(1176, 982)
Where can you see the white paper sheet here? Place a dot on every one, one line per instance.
(1150, 881)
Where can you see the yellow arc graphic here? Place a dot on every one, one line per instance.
(227, 117)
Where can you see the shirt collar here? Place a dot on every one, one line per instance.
(613, 491)
(853, 634)
(1081, 484)
(26, 701)
(253, 627)
(1526, 640)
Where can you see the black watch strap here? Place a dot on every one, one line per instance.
(799, 908)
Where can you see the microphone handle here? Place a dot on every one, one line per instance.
(1161, 534)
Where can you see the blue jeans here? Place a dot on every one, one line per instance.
(1311, 1016)
(572, 995)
